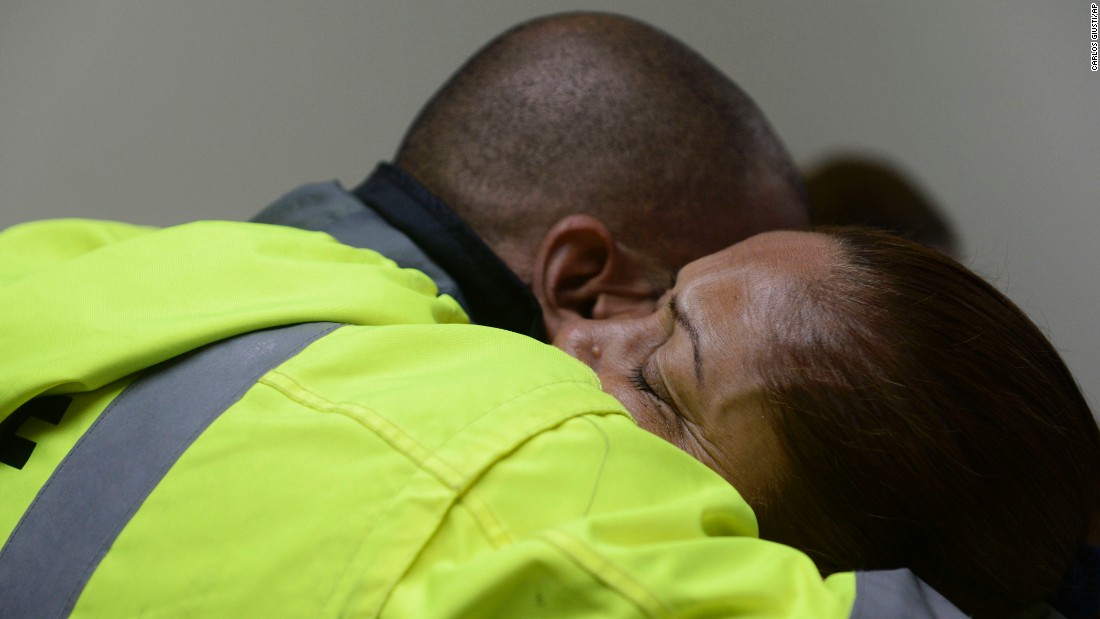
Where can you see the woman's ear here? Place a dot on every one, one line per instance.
(582, 272)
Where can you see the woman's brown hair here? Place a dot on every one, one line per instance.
(929, 424)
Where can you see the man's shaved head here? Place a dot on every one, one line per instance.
(606, 116)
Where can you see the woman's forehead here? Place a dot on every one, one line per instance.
(763, 260)
(739, 296)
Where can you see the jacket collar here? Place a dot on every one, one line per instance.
(406, 223)
(494, 295)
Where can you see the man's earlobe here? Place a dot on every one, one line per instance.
(582, 272)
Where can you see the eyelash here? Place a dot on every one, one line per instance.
(640, 383)
(637, 376)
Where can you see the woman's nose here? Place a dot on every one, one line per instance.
(578, 338)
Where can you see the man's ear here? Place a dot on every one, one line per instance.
(582, 272)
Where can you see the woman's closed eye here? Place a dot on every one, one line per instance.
(637, 378)
(664, 420)
(656, 391)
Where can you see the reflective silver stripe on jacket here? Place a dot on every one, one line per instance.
(899, 594)
(114, 467)
(326, 207)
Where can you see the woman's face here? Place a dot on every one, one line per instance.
(687, 371)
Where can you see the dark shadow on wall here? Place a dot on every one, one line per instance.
(859, 190)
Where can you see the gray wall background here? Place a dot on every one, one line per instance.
(161, 112)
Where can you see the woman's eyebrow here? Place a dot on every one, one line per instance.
(693, 333)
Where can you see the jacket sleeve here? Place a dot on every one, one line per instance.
(597, 518)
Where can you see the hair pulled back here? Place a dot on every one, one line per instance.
(929, 424)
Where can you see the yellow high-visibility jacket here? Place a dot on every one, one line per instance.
(397, 463)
